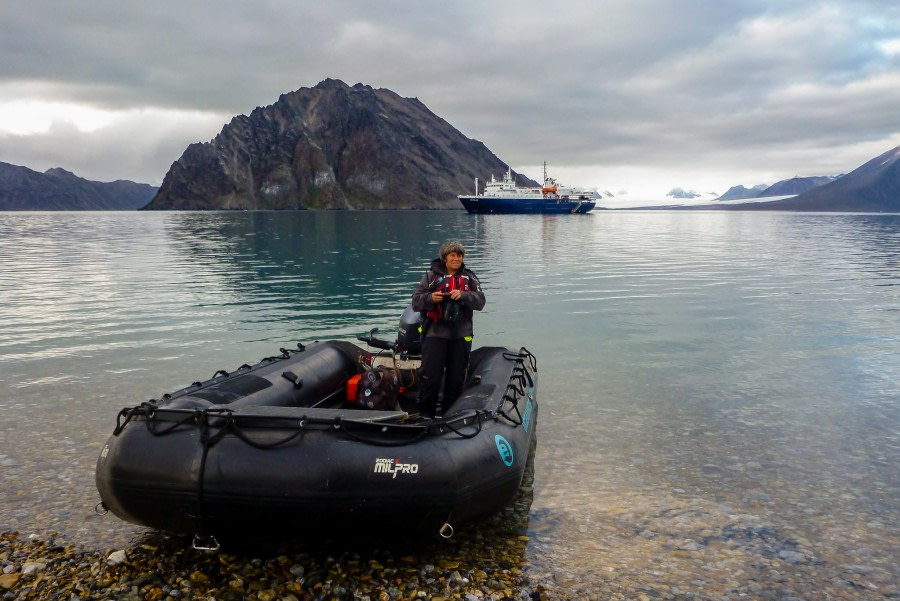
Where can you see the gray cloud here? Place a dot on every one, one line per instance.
(753, 88)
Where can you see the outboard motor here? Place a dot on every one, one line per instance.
(408, 336)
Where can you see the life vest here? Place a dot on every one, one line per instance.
(448, 310)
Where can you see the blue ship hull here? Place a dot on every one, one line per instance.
(544, 206)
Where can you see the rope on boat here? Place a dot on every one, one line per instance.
(514, 400)
(191, 417)
(201, 517)
(520, 380)
(211, 437)
(231, 427)
(523, 354)
(216, 423)
(145, 408)
(228, 422)
(479, 417)
(285, 354)
(300, 430)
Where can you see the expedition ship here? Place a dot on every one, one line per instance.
(505, 197)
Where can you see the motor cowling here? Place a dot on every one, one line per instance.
(408, 336)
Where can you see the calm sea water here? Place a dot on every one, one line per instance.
(699, 370)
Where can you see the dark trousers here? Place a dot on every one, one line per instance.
(447, 358)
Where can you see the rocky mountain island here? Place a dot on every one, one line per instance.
(331, 146)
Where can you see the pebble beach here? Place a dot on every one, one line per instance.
(682, 554)
(171, 569)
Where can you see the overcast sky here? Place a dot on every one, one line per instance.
(636, 96)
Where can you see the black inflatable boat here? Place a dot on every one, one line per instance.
(284, 448)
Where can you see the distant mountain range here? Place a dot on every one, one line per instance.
(22, 189)
(682, 194)
(873, 187)
(740, 192)
(339, 147)
(787, 187)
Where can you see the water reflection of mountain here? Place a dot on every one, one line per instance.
(343, 271)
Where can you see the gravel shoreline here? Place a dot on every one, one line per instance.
(485, 562)
(161, 568)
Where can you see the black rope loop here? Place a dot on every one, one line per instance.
(519, 387)
(205, 426)
(515, 422)
(236, 430)
(127, 413)
(519, 375)
(151, 428)
(208, 435)
(479, 418)
(521, 356)
(529, 379)
(520, 380)
(221, 372)
(286, 352)
(518, 392)
(532, 360)
(145, 408)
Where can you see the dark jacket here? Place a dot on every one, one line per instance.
(472, 300)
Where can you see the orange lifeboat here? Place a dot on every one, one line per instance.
(549, 183)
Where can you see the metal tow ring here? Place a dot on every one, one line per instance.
(446, 530)
(205, 543)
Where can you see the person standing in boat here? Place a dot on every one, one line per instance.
(447, 296)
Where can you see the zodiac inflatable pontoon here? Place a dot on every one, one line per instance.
(282, 449)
